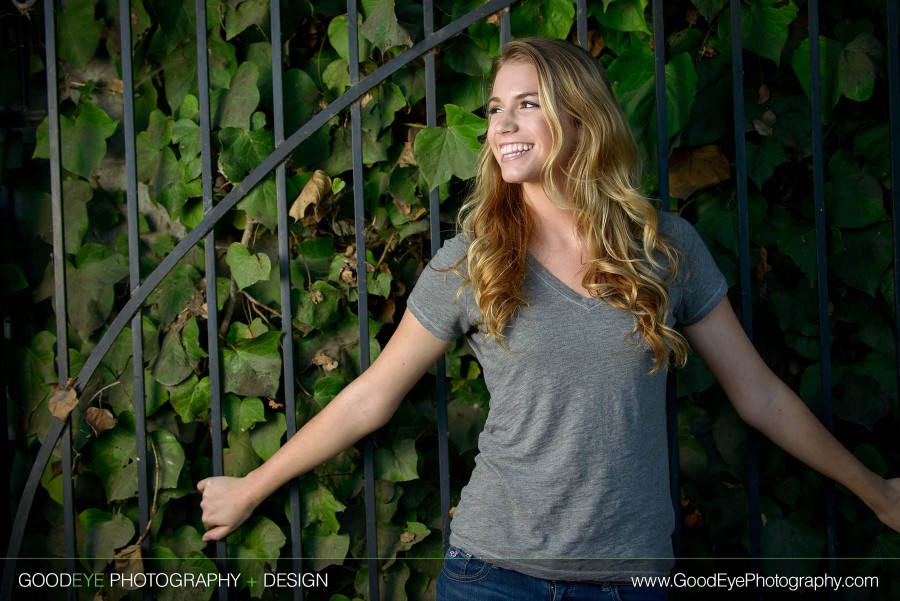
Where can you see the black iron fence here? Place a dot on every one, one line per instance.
(141, 289)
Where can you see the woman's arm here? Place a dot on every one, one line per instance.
(362, 407)
(770, 406)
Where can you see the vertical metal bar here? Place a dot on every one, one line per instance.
(359, 214)
(284, 267)
(662, 159)
(505, 29)
(893, 45)
(134, 281)
(581, 23)
(752, 453)
(212, 322)
(822, 265)
(59, 276)
(662, 125)
(434, 216)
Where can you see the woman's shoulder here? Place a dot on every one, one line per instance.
(452, 251)
(675, 226)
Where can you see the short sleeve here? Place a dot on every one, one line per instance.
(699, 285)
(435, 300)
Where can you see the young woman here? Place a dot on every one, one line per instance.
(568, 285)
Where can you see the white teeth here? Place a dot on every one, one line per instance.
(513, 149)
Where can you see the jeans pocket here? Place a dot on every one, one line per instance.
(464, 567)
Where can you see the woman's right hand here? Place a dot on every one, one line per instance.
(226, 505)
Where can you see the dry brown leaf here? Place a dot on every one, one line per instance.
(324, 361)
(691, 15)
(317, 188)
(402, 207)
(763, 266)
(100, 419)
(407, 156)
(273, 404)
(365, 100)
(692, 170)
(764, 95)
(596, 43)
(116, 86)
(316, 297)
(63, 400)
(407, 537)
(694, 520)
(764, 124)
(129, 563)
(494, 19)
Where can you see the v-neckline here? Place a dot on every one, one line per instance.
(588, 302)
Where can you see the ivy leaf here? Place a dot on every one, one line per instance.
(240, 459)
(692, 457)
(174, 292)
(192, 401)
(266, 438)
(710, 8)
(112, 458)
(242, 151)
(171, 457)
(79, 33)
(76, 194)
(183, 541)
(301, 98)
(398, 465)
(247, 268)
(764, 27)
(260, 204)
(382, 28)
(856, 71)
(829, 56)
(253, 367)
(442, 152)
(101, 534)
(799, 243)
(796, 538)
(241, 15)
(92, 281)
(854, 198)
(319, 506)
(255, 547)
(681, 82)
(242, 98)
(82, 140)
(178, 562)
(339, 37)
(325, 549)
(550, 18)
(762, 159)
(171, 365)
(866, 257)
(466, 422)
(240, 414)
(190, 339)
(622, 15)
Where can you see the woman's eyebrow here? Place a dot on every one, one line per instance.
(518, 96)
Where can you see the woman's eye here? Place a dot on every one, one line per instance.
(493, 110)
(530, 105)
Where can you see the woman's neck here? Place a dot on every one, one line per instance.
(553, 228)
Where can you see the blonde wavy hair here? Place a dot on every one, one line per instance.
(630, 263)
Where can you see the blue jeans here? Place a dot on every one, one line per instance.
(467, 578)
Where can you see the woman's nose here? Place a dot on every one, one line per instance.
(505, 122)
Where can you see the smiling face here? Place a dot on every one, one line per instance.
(519, 134)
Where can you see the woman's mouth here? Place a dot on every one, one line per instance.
(509, 152)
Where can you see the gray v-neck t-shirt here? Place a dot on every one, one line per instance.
(571, 481)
